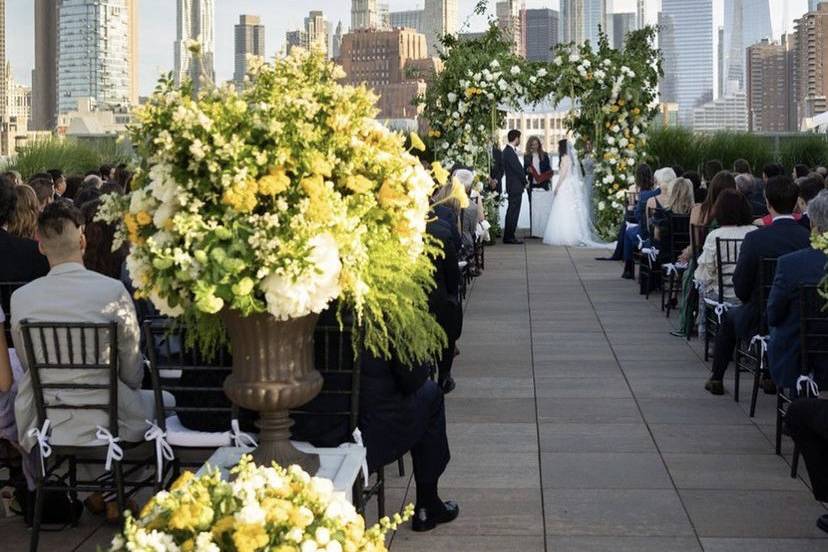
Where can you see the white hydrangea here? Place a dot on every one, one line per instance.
(515, 70)
(558, 60)
(314, 290)
(494, 64)
(204, 543)
(542, 72)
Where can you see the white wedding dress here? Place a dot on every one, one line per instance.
(570, 220)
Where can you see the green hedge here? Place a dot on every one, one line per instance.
(72, 156)
(680, 146)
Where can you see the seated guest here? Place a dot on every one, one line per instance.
(23, 221)
(59, 181)
(93, 298)
(13, 177)
(92, 180)
(699, 193)
(44, 189)
(106, 172)
(86, 194)
(27, 263)
(710, 170)
(783, 236)
(663, 178)
(643, 183)
(472, 215)
(73, 185)
(747, 185)
(805, 267)
(800, 170)
(809, 187)
(807, 423)
(98, 255)
(444, 300)
(447, 209)
(123, 177)
(679, 202)
(733, 215)
(538, 165)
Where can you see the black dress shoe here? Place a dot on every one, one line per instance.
(513, 242)
(715, 387)
(768, 386)
(607, 258)
(822, 523)
(447, 385)
(426, 519)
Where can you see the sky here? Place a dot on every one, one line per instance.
(157, 25)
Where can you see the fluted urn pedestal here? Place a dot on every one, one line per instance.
(273, 372)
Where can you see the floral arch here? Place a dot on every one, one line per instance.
(615, 91)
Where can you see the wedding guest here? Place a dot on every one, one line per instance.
(801, 170)
(59, 181)
(123, 176)
(746, 184)
(94, 298)
(23, 221)
(538, 166)
(702, 214)
(447, 209)
(28, 262)
(472, 215)
(44, 189)
(678, 202)
(699, 193)
(783, 236)
(794, 270)
(92, 180)
(809, 187)
(632, 234)
(73, 185)
(98, 255)
(13, 177)
(711, 169)
(6, 376)
(643, 183)
(807, 423)
(86, 194)
(772, 170)
(515, 186)
(106, 172)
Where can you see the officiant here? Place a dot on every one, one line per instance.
(538, 165)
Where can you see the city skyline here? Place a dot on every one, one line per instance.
(157, 20)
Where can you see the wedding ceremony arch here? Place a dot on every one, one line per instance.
(613, 95)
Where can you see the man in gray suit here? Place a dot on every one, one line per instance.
(71, 293)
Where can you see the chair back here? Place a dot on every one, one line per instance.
(6, 290)
(73, 357)
(195, 380)
(767, 271)
(727, 255)
(335, 411)
(679, 234)
(813, 334)
(698, 234)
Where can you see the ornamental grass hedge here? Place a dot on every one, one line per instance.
(71, 155)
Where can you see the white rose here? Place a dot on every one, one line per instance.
(601, 205)
(452, 97)
(575, 58)
(162, 305)
(515, 70)
(542, 72)
(533, 79)
(494, 64)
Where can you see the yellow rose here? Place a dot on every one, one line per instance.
(250, 537)
(388, 195)
(359, 184)
(416, 142)
(274, 183)
(319, 164)
(143, 218)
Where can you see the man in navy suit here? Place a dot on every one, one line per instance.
(783, 236)
(805, 267)
(515, 185)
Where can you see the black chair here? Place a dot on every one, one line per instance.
(677, 241)
(55, 347)
(698, 235)
(649, 270)
(334, 413)
(6, 290)
(727, 255)
(195, 380)
(751, 356)
(813, 339)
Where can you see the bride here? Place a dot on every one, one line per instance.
(570, 220)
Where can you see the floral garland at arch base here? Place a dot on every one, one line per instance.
(615, 92)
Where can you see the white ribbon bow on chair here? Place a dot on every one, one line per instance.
(809, 384)
(358, 440)
(763, 348)
(670, 268)
(240, 438)
(42, 436)
(651, 252)
(113, 449)
(163, 450)
(720, 309)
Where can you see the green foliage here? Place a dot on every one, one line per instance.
(681, 146)
(72, 156)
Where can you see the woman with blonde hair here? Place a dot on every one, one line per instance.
(23, 221)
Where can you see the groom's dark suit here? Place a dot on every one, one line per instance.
(515, 184)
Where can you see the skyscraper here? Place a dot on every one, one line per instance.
(509, 21)
(618, 25)
(44, 75)
(686, 41)
(134, 30)
(581, 20)
(365, 14)
(408, 19)
(768, 87)
(295, 39)
(3, 72)
(336, 41)
(93, 53)
(747, 22)
(811, 60)
(316, 32)
(440, 18)
(640, 14)
(541, 33)
(195, 21)
(250, 41)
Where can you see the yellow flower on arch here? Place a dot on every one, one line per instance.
(249, 537)
(416, 142)
(274, 183)
(440, 174)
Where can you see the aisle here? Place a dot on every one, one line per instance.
(580, 425)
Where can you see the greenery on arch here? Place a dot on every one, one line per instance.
(614, 93)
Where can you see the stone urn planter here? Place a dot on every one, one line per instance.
(273, 372)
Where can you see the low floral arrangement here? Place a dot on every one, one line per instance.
(261, 508)
(280, 199)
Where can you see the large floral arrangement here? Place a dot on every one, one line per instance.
(280, 199)
(262, 508)
(613, 94)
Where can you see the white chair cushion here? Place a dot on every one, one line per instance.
(180, 436)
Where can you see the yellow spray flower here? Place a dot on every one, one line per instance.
(458, 192)
(440, 174)
(319, 165)
(359, 184)
(131, 226)
(182, 481)
(416, 142)
(274, 183)
(143, 218)
(250, 537)
(314, 187)
(242, 196)
(389, 196)
(223, 525)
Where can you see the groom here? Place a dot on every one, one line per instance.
(515, 184)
